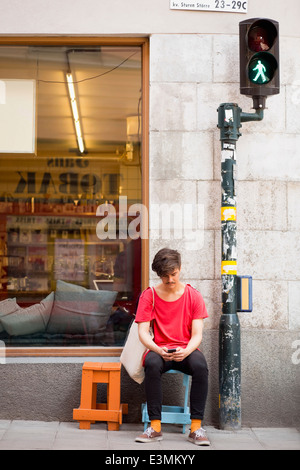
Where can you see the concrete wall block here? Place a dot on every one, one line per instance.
(181, 155)
(289, 61)
(218, 254)
(261, 205)
(173, 107)
(181, 58)
(226, 59)
(184, 217)
(293, 195)
(270, 379)
(265, 255)
(209, 194)
(293, 108)
(164, 191)
(294, 305)
(270, 306)
(265, 157)
(269, 255)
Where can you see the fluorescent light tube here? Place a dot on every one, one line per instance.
(75, 112)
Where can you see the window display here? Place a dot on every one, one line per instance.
(60, 284)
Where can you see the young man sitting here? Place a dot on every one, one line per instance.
(177, 317)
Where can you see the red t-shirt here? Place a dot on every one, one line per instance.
(172, 320)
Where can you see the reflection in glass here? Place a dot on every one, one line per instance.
(59, 283)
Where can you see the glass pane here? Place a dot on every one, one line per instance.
(69, 274)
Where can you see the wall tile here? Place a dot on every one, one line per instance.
(270, 306)
(181, 155)
(294, 305)
(173, 107)
(261, 205)
(293, 194)
(181, 58)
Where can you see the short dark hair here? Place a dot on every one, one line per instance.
(166, 261)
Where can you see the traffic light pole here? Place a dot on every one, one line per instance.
(230, 117)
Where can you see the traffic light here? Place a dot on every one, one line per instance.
(259, 59)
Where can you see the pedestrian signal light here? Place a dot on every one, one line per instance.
(262, 68)
(259, 59)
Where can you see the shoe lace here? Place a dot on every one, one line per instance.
(149, 431)
(200, 432)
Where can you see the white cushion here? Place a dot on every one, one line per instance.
(78, 310)
(30, 320)
(6, 307)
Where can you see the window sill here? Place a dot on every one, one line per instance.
(64, 352)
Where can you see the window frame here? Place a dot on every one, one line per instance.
(143, 42)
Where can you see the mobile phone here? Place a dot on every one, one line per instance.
(171, 350)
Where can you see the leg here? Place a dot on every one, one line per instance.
(199, 386)
(195, 365)
(154, 367)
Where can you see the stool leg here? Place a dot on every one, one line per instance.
(94, 399)
(85, 425)
(186, 382)
(114, 397)
(145, 416)
(86, 396)
(94, 396)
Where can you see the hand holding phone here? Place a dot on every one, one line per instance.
(170, 351)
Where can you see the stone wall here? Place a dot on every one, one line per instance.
(190, 76)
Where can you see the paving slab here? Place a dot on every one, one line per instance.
(34, 435)
(233, 440)
(278, 438)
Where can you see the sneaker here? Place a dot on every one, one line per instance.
(149, 436)
(199, 437)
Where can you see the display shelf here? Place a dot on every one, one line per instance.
(37, 250)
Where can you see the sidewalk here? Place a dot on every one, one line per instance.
(34, 435)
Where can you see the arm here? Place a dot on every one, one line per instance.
(145, 338)
(196, 338)
(148, 342)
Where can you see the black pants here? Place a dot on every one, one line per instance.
(194, 365)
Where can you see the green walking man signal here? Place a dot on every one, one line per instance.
(261, 70)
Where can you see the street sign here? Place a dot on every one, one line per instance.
(226, 6)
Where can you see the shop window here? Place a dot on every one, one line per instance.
(62, 282)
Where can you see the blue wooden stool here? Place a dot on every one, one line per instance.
(172, 414)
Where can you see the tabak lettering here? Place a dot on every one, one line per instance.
(68, 183)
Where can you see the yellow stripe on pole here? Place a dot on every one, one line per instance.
(229, 267)
(228, 213)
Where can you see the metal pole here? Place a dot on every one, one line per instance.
(229, 328)
(230, 117)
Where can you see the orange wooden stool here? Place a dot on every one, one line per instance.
(94, 373)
